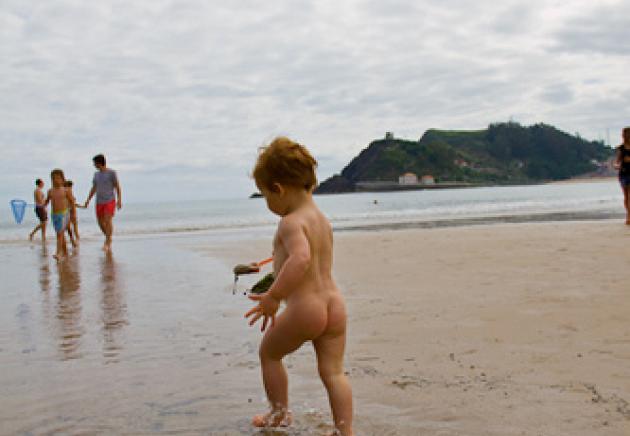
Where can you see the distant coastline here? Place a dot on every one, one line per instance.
(503, 154)
(394, 187)
(585, 179)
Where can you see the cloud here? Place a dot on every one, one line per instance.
(194, 87)
(604, 31)
(559, 93)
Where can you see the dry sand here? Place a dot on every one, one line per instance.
(489, 330)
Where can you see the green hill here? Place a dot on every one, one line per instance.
(504, 153)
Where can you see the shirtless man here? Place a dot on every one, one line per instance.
(315, 309)
(40, 210)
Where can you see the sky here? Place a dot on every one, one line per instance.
(179, 95)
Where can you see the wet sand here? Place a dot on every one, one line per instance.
(505, 329)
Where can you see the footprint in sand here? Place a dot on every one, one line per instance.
(405, 381)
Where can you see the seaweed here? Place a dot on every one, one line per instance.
(263, 284)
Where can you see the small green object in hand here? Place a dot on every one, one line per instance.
(263, 284)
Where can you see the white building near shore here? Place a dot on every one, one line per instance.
(428, 180)
(408, 179)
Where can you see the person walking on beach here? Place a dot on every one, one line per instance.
(108, 198)
(622, 163)
(315, 309)
(73, 226)
(40, 210)
(62, 202)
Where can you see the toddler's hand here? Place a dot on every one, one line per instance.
(267, 308)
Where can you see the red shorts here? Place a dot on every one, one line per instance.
(108, 208)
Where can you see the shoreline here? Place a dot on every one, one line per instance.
(595, 179)
(383, 187)
(549, 217)
(261, 231)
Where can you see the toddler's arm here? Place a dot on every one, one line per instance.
(292, 237)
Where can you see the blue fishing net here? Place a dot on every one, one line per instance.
(18, 207)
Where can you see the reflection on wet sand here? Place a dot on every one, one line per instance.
(69, 308)
(44, 270)
(65, 318)
(44, 280)
(114, 308)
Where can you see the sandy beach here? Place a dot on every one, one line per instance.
(503, 329)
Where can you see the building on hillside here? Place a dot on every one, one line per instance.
(461, 163)
(428, 180)
(389, 135)
(408, 179)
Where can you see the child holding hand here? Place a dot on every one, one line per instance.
(62, 201)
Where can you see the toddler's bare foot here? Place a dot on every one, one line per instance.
(278, 418)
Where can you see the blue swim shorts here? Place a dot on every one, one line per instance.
(60, 220)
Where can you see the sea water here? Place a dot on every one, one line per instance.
(240, 217)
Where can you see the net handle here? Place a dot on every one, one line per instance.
(265, 261)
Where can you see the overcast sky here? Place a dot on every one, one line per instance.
(179, 94)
